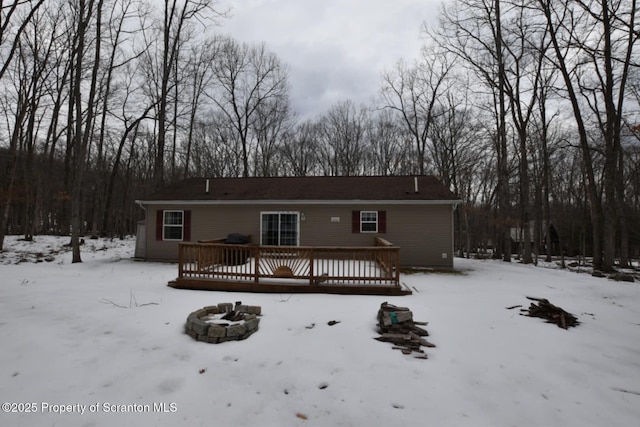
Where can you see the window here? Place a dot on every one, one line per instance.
(280, 228)
(369, 222)
(172, 225)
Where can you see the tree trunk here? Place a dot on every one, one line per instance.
(81, 139)
(592, 188)
(12, 169)
(622, 214)
(503, 170)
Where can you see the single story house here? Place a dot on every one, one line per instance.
(414, 213)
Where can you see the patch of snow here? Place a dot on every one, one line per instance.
(107, 335)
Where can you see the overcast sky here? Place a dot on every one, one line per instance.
(335, 49)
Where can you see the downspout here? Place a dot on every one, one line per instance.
(453, 233)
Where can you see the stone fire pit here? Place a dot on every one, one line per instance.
(223, 322)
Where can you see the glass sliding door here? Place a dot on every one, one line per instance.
(280, 228)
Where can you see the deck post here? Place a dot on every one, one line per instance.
(180, 260)
(397, 267)
(311, 273)
(256, 260)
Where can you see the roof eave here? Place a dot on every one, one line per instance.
(298, 202)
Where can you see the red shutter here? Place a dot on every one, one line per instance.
(159, 223)
(187, 226)
(382, 221)
(355, 221)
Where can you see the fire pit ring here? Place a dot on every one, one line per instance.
(223, 322)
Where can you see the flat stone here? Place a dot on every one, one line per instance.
(236, 330)
(247, 335)
(212, 309)
(242, 308)
(254, 309)
(249, 316)
(251, 325)
(200, 327)
(200, 313)
(225, 307)
(217, 331)
(202, 338)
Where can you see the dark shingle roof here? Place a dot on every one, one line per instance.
(307, 188)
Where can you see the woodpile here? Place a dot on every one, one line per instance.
(551, 313)
(396, 325)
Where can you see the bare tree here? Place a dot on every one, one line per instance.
(132, 114)
(525, 47)
(216, 149)
(545, 141)
(249, 79)
(456, 149)
(14, 18)
(342, 139)
(272, 122)
(200, 74)
(15, 118)
(472, 31)
(83, 118)
(35, 49)
(177, 16)
(120, 56)
(601, 35)
(300, 150)
(390, 148)
(412, 92)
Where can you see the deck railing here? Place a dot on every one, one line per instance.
(315, 265)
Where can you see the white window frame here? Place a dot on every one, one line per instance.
(362, 221)
(165, 225)
(296, 213)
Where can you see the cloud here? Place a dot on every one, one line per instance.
(335, 49)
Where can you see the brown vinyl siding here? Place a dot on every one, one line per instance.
(423, 232)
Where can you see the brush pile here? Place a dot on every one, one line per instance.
(551, 313)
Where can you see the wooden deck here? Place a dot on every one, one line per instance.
(370, 270)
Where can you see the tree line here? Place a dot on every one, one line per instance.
(525, 109)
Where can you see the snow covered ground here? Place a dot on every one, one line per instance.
(103, 341)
